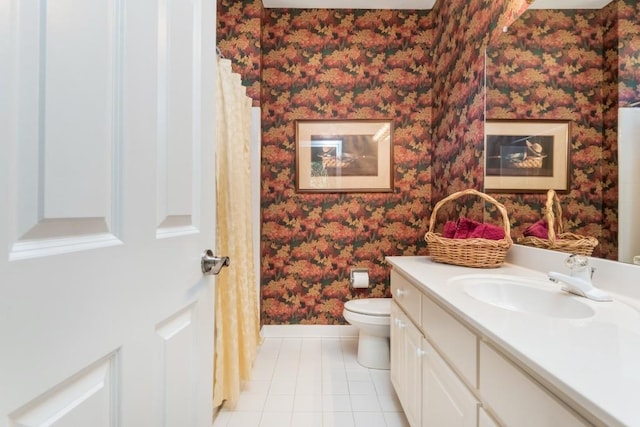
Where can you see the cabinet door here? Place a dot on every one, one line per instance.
(446, 401)
(484, 420)
(413, 357)
(397, 350)
(516, 398)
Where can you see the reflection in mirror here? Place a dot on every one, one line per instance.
(569, 65)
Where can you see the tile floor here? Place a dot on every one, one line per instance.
(309, 382)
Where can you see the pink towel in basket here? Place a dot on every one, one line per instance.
(465, 228)
(538, 229)
(449, 229)
(487, 231)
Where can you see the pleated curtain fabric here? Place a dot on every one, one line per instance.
(237, 320)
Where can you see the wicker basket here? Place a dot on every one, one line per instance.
(477, 252)
(559, 241)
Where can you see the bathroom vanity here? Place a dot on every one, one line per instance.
(505, 346)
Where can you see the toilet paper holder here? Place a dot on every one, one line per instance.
(352, 275)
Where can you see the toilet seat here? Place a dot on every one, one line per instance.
(370, 306)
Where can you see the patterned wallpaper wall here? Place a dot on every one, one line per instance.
(551, 65)
(238, 30)
(458, 93)
(352, 64)
(629, 50)
(340, 64)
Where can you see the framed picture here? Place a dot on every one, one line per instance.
(527, 155)
(344, 156)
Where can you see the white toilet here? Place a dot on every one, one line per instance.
(371, 317)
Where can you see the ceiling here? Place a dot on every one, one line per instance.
(415, 4)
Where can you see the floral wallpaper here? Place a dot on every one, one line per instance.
(340, 64)
(318, 64)
(238, 30)
(551, 65)
(458, 92)
(629, 51)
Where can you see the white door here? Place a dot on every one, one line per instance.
(106, 204)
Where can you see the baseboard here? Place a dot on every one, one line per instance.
(309, 331)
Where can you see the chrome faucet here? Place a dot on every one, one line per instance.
(579, 280)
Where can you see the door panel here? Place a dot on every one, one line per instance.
(106, 165)
(89, 395)
(177, 336)
(179, 117)
(66, 124)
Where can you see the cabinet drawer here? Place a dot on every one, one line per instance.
(406, 296)
(516, 398)
(454, 340)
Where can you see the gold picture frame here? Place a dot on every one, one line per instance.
(527, 156)
(344, 156)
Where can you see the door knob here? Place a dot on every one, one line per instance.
(212, 264)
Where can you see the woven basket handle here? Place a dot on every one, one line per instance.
(553, 210)
(505, 218)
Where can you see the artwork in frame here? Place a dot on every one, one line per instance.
(527, 156)
(344, 156)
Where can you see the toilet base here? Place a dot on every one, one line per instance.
(373, 351)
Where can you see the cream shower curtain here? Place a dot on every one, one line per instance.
(237, 323)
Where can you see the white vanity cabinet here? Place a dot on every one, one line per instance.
(406, 363)
(446, 375)
(430, 392)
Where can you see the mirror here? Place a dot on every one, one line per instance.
(564, 65)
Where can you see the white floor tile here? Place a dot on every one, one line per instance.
(245, 419)
(362, 387)
(335, 387)
(331, 345)
(307, 403)
(286, 371)
(275, 419)
(334, 374)
(290, 347)
(333, 364)
(364, 403)
(279, 403)
(305, 386)
(369, 419)
(270, 344)
(282, 387)
(311, 346)
(336, 403)
(310, 364)
(310, 372)
(262, 370)
(306, 419)
(338, 419)
(268, 355)
(358, 375)
(256, 387)
(311, 382)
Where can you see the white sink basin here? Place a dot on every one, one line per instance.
(523, 295)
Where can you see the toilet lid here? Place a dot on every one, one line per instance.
(370, 306)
